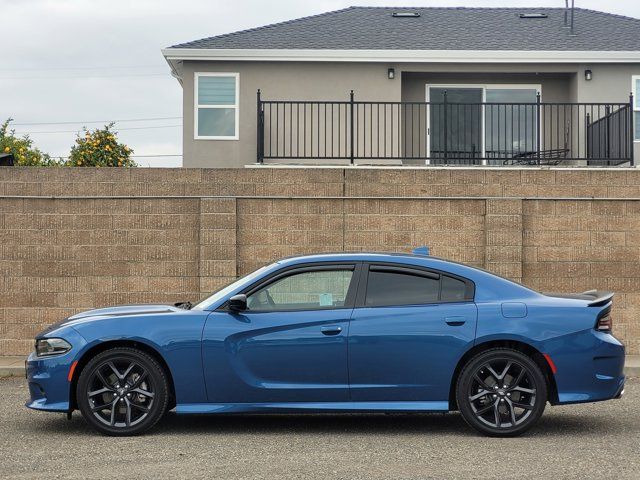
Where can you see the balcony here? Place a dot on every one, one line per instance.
(443, 132)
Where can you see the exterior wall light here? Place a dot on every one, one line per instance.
(391, 73)
(588, 75)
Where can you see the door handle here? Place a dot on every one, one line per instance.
(455, 321)
(331, 330)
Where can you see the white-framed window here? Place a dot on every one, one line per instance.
(635, 88)
(216, 105)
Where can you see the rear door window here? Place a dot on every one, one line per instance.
(400, 288)
(453, 289)
(387, 286)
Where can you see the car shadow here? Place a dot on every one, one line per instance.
(557, 424)
(314, 423)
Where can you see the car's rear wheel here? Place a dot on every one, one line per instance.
(122, 391)
(501, 392)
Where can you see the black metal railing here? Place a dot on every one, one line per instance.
(446, 133)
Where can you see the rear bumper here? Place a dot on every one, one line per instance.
(594, 377)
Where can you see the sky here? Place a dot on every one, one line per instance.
(65, 64)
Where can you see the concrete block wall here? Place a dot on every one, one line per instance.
(73, 239)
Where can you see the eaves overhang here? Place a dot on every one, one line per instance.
(175, 56)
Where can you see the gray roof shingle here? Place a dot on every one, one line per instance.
(374, 28)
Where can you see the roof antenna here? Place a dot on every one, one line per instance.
(421, 251)
(573, 33)
(568, 17)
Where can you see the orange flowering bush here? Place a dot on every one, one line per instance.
(100, 148)
(22, 149)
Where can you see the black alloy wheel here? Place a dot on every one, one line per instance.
(122, 391)
(501, 392)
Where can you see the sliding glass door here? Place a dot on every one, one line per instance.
(510, 123)
(468, 124)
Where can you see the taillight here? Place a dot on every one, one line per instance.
(605, 323)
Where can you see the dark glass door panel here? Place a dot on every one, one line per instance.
(456, 131)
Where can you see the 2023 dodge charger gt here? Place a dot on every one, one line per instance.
(357, 332)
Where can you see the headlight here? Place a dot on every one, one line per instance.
(46, 347)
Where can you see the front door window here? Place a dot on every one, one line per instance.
(309, 290)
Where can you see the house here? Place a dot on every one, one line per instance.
(438, 86)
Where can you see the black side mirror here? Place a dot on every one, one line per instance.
(238, 303)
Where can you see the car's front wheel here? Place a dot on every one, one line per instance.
(122, 391)
(501, 392)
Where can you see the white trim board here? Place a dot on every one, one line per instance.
(407, 56)
(636, 92)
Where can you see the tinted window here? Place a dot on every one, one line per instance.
(395, 288)
(453, 290)
(303, 291)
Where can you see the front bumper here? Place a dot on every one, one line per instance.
(47, 377)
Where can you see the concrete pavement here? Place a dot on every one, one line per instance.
(590, 441)
(12, 366)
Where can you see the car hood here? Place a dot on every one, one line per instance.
(126, 310)
(110, 312)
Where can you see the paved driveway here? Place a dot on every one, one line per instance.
(585, 441)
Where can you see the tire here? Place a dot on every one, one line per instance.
(501, 412)
(130, 385)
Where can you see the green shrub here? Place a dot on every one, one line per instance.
(24, 153)
(100, 148)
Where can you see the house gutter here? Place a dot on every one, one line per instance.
(402, 56)
(175, 56)
(176, 68)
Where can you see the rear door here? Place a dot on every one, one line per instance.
(290, 345)
(407, 333)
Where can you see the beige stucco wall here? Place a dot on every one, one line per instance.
(333, 81)
(609, 83)
(277, 81)
(554, 86)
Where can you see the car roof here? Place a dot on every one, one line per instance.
(358, 256)
(351, 255)
(488, 284)
(391, 257)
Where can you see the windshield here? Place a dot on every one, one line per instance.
(224, 291)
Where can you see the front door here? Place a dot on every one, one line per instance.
(407, 336)
(290, 345)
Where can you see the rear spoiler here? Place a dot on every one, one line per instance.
(596, 298)
(599, 297)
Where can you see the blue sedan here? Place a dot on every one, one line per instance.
(351, 332)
